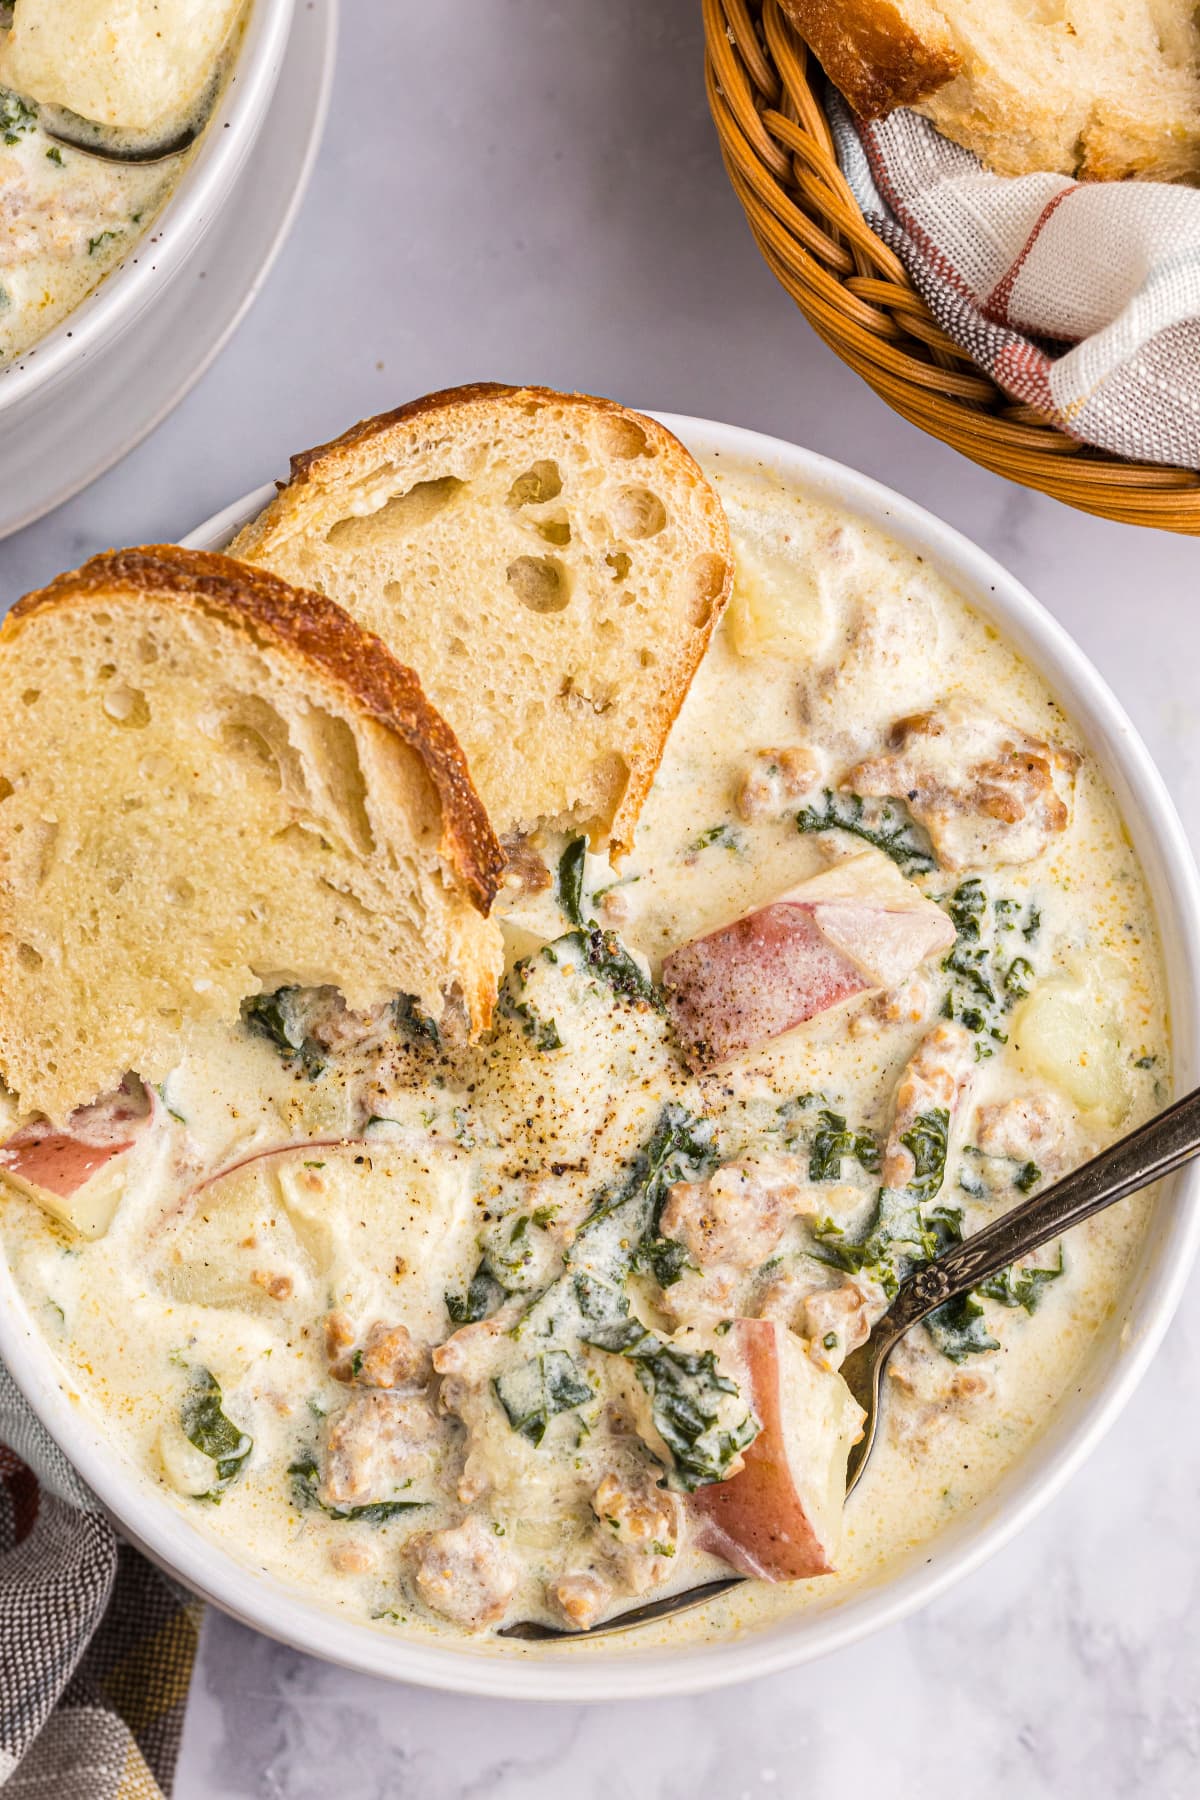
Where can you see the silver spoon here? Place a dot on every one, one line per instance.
(74, 133)
(1155, 1150)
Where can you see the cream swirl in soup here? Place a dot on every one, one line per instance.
(454, 1336)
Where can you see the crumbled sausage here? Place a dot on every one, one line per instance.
(376, 1445)
(929, 1398)
(351, 1558)
(524, 871)
(390, 1358)
(784, 1296)
(739, 1214)
(464, 1573)
(935, 1079)
(616, 906)
(837, 1320)
(907, 1004)
(581, 1599)
(986, 792)
(468, 1352)
(645, 1529)
(776, 780)
(339, 1335)
(700, 1296)
(1035, 1127)
(274, 1285)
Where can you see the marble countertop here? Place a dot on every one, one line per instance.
(530, 190)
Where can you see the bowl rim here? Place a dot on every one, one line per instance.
(1113, 1371)
(158, 254)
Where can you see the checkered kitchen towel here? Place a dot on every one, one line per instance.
(1081, 299)
(96, 1647)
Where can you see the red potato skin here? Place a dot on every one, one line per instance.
(756, 1520)
(59, 1163)
(61, 1160)
(753, 980)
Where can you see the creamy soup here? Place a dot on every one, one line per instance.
(456, 1336)
(68, 217)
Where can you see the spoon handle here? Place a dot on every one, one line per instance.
(1145, 1156)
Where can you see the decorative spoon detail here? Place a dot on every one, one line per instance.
(1148, 1154)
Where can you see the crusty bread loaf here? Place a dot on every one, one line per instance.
(880, 53)
(552, 565)
(1102, 89)
(210, 785)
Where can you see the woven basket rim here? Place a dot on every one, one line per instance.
(764, 95)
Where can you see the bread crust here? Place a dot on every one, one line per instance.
(306, 463)
(339, 454)
(871, 52)
(317, 634)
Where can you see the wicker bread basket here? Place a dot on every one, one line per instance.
(854, 292)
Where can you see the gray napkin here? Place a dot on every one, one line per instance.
(96, 1646)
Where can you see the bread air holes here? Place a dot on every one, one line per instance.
(638, 513)
(707, 577)
(332, 754)
(397, 516)
(252, 730)
(27, 957)
(618, 561)
(126, 706)
(541, 482)
(540, 583)
(622, 439)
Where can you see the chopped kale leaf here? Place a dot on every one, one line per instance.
(927, 1142)
(571, 867)
(274, 1017)
(513, 1004)
(16, 116)
(1021, 1287)
(414, 1023)
(959, 1329)
(896, 1240)
(533, 1394)
(206, 1426)
(681, 1149)
(985, 983)
(483, 1296)
(832, 1141)
(945, 1224)
(685, 1389)
(607, 957)
(726, 835)
(884, 823)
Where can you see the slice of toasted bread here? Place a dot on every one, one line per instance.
(210, 785)
(1086, 87)
(552, 565)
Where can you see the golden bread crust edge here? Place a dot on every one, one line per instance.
(318, 634)
(872, 54)
(309, 466)
(447, 400)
